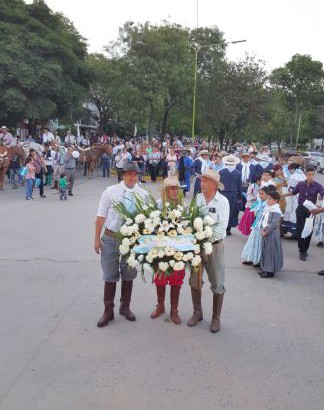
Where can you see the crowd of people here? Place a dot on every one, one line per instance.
(251, 182)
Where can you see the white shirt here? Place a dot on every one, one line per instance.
(245, 171)
(218, 209)
(110, 197)
(69, 139)
(48, 137)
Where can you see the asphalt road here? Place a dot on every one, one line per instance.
(268, 355)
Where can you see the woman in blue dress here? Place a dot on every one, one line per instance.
(252, 249)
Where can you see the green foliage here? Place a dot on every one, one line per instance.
(42, 64)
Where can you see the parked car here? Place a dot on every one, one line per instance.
(314, 159)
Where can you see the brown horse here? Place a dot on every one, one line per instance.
(6, 156)
(94, 155)
(285, 157)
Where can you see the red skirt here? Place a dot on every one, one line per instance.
(246, 222)
(175, 279)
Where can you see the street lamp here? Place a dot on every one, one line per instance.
(197, 49)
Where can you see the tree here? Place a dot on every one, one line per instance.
(301, 80)
(43, 69)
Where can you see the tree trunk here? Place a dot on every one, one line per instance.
(165, 118)
(221, 137)
(151, 125)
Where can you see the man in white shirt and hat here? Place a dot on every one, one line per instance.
(69, 139)
(113, 266)
(213, 204)
(7, 138)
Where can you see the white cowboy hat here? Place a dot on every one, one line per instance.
(214, 175)
(4, 127)
(264, 158)
(231, 160)
(170, 181)
(204, 152)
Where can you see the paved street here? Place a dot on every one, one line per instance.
(269, 354)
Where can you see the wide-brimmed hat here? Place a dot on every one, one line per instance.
(204, 152)
(245, 154)
(4, 127)
(171, 181)
(231, 160)
(214, 175)
(131, 167)
(264, 158)
(223, 153)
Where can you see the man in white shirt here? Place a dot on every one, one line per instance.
(113, 266)
(47, 136)
(69, 139)
(210, 202)
(7, 138)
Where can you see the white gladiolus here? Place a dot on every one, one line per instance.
(140, 218)
(177, 213)
(198, 224)
(123, 249)
(167, 204)
(179, 265)
(155, 214)
(208, 232)
(208, 247)
(163, 266)
(196, 261)
(208, 220)
(145, 207)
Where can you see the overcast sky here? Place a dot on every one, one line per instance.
(275, 30)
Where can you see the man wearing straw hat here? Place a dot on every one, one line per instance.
(212, 203)
(113, 266)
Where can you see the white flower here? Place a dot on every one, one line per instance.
(145, 207)
(208, 220)
(179, 265)
(172, 233)
(180, 230)
(163, 266)
(132, 262)
(200, 235)
(124, 230)
(208, 232)
(185, 257)
(198, 224)
(180, 208)
(169, 251)
(149, 258)
(197, 250)
(172, 263)
(161, 254)
(196, 261)
(177, 213)
(129, 221)
(140, 218)
(190, 255)
(123, 249)
(208, 247)
(155, 214)
(167, 204)
(140, 258)
(126, 242)
(178, 256)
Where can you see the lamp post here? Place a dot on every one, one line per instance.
(197, 49)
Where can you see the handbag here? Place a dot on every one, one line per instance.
(37, 182)
(23, 171)
(308, 227)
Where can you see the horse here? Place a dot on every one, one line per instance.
(6, 156)
(286, 157)
(94, 156)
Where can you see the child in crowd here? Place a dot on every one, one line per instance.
(271, 255)
(252, 249)
(30, 178)
(266, 179)
(249, 215)
(63, 185)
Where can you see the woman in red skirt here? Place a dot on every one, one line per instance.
(170, 193)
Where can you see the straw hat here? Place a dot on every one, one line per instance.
(204, 152)
(214, 175)
(170, 181)
(231, 160)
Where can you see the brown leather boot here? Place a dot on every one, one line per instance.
(175, 293)
(126, 295)
(160, 290)
(217, 308)
(197, 315)
(109, 296)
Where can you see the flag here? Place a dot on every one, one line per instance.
(135, 130)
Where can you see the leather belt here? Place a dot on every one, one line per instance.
(110, 233)
(216, 242)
